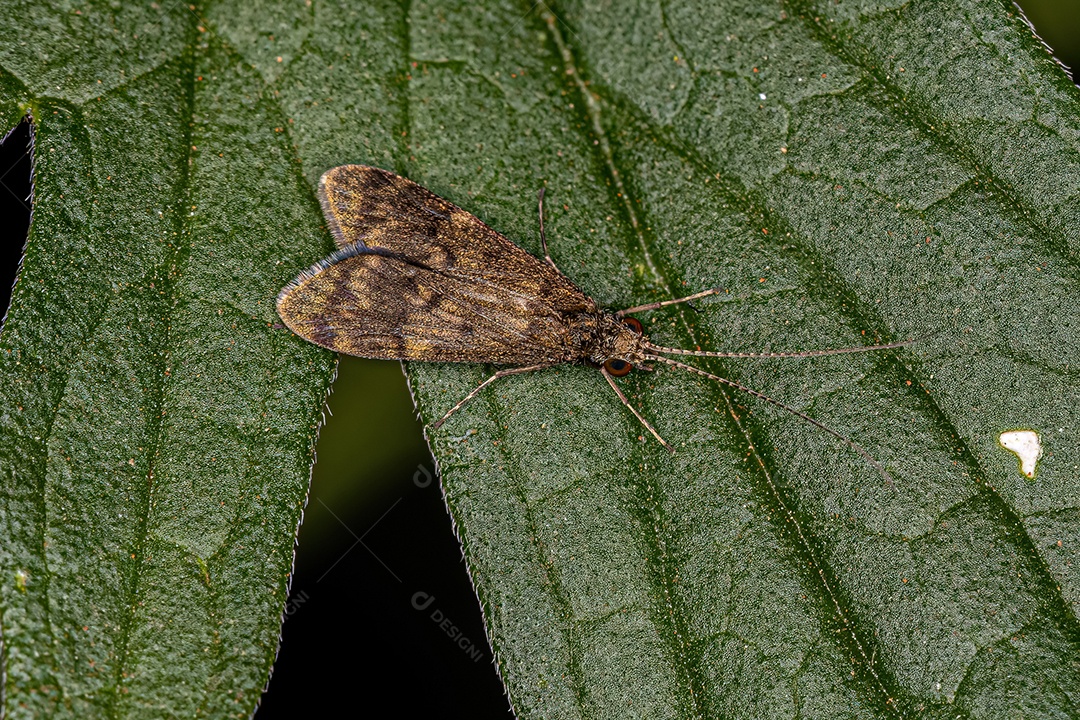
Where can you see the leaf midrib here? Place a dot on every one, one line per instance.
(677, 633)
(168, 273)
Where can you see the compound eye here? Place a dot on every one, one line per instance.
(618, 368)
(633, 323)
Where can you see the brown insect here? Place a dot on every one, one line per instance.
(417, 278)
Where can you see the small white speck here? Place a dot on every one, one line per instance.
(1025, 444)
(761, 96)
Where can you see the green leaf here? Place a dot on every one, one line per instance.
(847, 172)
(157, 430)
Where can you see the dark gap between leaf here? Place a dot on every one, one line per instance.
(1057, 23)
(15, 170)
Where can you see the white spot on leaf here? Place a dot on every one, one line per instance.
(1025, 444)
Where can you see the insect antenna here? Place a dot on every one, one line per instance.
(796, 354)
(816, 423)
(665, 303)
(543, 237)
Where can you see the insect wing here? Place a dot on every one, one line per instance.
(371, 303)
(376, 208)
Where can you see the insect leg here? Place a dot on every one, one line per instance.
(650, 428)
(543, 237)
(481, 386)
(665, 303)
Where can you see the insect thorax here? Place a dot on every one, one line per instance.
(601, 336)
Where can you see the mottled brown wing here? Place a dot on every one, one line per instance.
(377, 208)
(372, 303)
